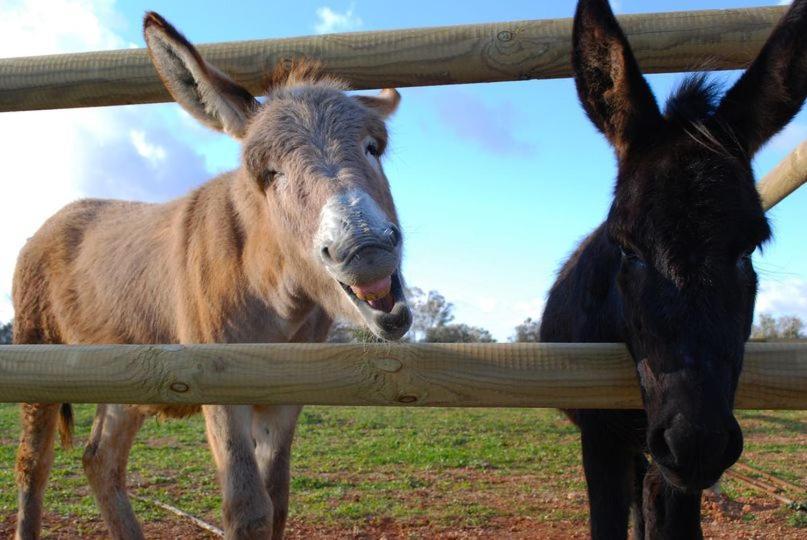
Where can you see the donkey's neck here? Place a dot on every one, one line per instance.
(241, 283)
(269, 265)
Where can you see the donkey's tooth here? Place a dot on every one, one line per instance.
(372, 297)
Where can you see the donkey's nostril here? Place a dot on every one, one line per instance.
(326, 253)
(394, 235)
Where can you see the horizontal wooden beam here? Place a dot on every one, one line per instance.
(446, 375)
(785, 178)
(506, 51)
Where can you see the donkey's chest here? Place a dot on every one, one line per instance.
(255, 321)
(257, 324)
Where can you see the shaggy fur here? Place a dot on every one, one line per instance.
(669, 272)
(233, 261)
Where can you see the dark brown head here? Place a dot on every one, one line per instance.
(685, 219)
(312, 155)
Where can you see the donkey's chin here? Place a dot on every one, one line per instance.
(387, 317)
(692, 484)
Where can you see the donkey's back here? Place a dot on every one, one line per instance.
(96, 272)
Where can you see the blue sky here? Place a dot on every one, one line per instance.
(495, 183)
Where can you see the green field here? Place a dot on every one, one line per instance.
(424, 470)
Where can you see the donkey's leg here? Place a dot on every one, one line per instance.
(34, 459)
(273, 430)
(105, 458)
(609, 467)
(247, 509)
(670, 513)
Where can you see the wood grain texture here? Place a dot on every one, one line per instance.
(507, 51)
(452, 375)
(785, 178)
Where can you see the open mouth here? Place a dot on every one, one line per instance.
(377, 294)
(383, 305)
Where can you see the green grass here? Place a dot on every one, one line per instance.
(348, 464)
(451, 467)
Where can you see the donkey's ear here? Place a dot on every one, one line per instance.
(772, 90)
(385, 103)
(205, 92)
(611, 88)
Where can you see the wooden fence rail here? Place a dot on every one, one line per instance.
(506, 51)
(785, 178)
(455, 375)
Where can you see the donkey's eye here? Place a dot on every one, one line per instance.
(269, 176)
(631, 257)
(372, 149)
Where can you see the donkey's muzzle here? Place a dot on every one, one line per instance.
(365, 256)
(367, 264)
(692, 455)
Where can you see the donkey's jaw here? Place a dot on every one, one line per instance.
(389, 317)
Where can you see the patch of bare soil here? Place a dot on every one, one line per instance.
(746, 518)
(60, 528)
(389, 529)
(724, 519)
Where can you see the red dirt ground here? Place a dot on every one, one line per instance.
(723, 519)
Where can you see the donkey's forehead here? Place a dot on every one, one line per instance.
(316, 107)
(688, 202)
(300, 117)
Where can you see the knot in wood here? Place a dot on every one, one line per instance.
(505, 35)
(390, 365)
(407, 399)
(180, 387)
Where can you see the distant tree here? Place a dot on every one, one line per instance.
(765, 327)
(6, 332)
(429, 310)
(785, 327)
(431, 322)
(458, 333)
(790, 327)
(528, 331)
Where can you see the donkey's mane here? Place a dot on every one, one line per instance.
(692, 107)
(695, 99)
(302, 72)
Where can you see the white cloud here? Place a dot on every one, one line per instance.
(330, 21)
(51, 158)
(785, 297)
(40, 164)
(154, 153)
(785, 2)
(49, 26)
(41, 149)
